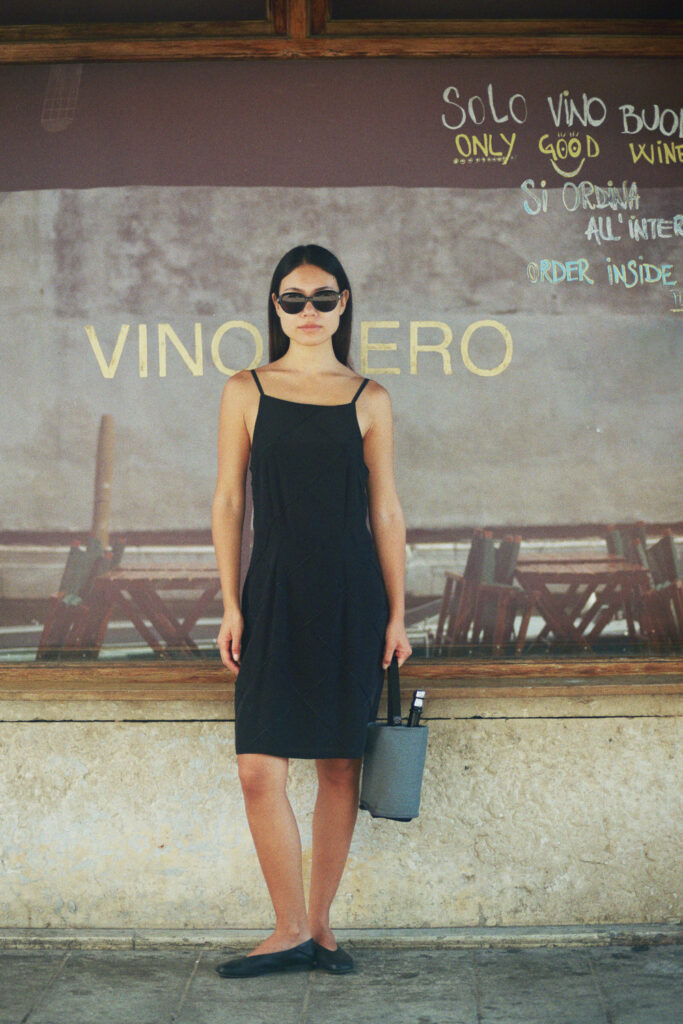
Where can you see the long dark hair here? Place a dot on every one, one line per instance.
(315, 256)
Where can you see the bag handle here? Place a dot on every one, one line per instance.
(393, 694)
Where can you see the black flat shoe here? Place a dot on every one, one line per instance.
(336, 961)
(299, 958)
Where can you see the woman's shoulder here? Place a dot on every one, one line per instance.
(375, 408)
(376, 393)
(239, 386)
(238, 380)
(373, 395)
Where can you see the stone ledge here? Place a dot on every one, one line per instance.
(377, 938)
(639, 705)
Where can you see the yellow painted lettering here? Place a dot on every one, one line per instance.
(233, 325)
(376, 346)
(465, 348)
(108, 370)
(194, 365)
(441, 346)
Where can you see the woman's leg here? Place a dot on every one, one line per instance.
(278, 846)
(334, 819)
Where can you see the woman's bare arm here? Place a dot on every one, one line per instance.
(227, 513)
(387, 520)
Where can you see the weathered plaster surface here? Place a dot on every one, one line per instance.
(524, 821)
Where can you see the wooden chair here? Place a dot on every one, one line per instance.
(68, 609)
(630, 542)
(662, 619)
(659, 608)
(479, 606)
(459, 596)
(662, 560)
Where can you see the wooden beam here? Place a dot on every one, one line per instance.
(209, 681)
(278, 14)
(298, 28)
(63, 44)
(138, 31)
(320, 13)
(502, 27)
(209, 690)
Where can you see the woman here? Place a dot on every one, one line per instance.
(323, 601)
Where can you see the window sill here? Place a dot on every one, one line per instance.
(209, 681)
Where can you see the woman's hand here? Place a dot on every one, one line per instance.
(230, 638)
(396, 639)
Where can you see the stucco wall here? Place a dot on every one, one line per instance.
(554, 811)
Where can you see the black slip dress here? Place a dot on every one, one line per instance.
(314, 602)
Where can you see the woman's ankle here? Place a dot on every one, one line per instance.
(293, 933)
(325, 937)
(321, 932)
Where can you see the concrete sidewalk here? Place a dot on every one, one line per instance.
(445, 982)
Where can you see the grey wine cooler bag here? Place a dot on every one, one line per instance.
(394, 761)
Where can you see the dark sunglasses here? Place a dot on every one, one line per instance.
(324, 300)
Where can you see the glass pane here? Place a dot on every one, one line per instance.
(532, 375)
(484, 9)
(34, 12)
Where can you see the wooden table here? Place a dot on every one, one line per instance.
(137, 595)
(567, 608)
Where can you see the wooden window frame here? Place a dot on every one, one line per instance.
(303, 28)
(296, 29)
(210, 682)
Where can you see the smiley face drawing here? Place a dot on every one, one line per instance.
(574, 148)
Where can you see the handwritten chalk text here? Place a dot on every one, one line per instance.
(559, 271)
(657, 152)
(655, 227)
(478, 110)
(582, 195)
(590, 110)
(485, 148)
(667, 121)
(635, 272)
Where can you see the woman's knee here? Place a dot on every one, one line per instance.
(340, 772)
(260, 775)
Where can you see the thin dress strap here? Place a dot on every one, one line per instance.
(360, 389)
(255, 376)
